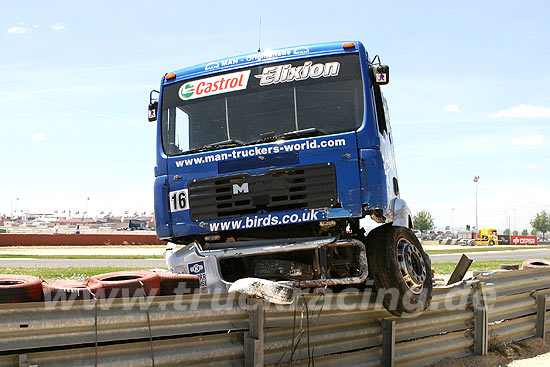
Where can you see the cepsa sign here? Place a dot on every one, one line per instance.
(524, 240)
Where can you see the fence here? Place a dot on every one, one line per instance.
(348, 328)
(451, 241)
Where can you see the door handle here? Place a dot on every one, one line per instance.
(177, 177)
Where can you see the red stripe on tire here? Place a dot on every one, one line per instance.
(128, 283)
(20, 288)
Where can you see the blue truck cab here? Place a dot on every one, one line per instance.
(266, 162)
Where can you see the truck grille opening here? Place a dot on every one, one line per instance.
(303, 187)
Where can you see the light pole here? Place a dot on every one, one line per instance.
(17, 207)
(514, 219)
(476, 179)
(452, 219)
(87, 207)
(505, 219)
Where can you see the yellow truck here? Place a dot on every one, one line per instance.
(487, 237)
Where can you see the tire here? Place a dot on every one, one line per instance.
(398, 263)
(68, 289)
(491, 243)
(535, 264)
(127, 284)
(20, 288)
(174, 283)
(509, 266)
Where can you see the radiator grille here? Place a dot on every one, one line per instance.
(303, 187)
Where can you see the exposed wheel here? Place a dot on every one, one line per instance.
(69, 289)
(128, 284)
(400, 268)
(20, 288)
(491, 243)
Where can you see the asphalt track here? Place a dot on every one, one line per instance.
(504, 256)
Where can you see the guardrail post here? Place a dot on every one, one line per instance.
(481, 327)
(254, 338)
(24, 362)
(542, 305)
(388, 343)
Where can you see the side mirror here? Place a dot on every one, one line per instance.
(381, 74)
(153, 105)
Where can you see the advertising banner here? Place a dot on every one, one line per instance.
(524, 240)
(503, 239)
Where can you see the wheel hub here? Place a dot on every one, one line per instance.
(411, 265)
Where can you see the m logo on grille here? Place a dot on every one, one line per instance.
(242, 189)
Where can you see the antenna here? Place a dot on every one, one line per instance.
(260, 37)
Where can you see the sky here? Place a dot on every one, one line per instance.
(468, 95)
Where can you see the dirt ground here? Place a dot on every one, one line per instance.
(533, 352)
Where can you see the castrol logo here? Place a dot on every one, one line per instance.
(214, 85)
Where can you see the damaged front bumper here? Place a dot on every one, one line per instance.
(192, 259)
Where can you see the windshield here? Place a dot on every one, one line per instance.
(322, 93)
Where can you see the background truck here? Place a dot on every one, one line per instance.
(467, 237)
(266, 163)
(135, 225)
(487, 237)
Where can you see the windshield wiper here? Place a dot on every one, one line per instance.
(313, 131)
(217, 145)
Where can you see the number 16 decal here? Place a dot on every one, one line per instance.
(179, 200)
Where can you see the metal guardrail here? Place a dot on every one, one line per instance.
(39, 325)
(509, 282)
(221, 350)
(347, 328)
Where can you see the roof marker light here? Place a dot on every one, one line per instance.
(349, 45)
(170, 76)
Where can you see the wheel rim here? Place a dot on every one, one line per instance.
(411, 265)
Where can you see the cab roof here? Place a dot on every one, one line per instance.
(263, 57)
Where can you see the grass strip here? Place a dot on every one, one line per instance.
(64, 273)
(24, 256)
(478, 249)
(83, 272)
(448, 267)
(430, 252)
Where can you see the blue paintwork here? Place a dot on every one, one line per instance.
(162, 215)
(257, 58)
(364, 179)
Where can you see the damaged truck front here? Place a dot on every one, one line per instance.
(266, 163)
